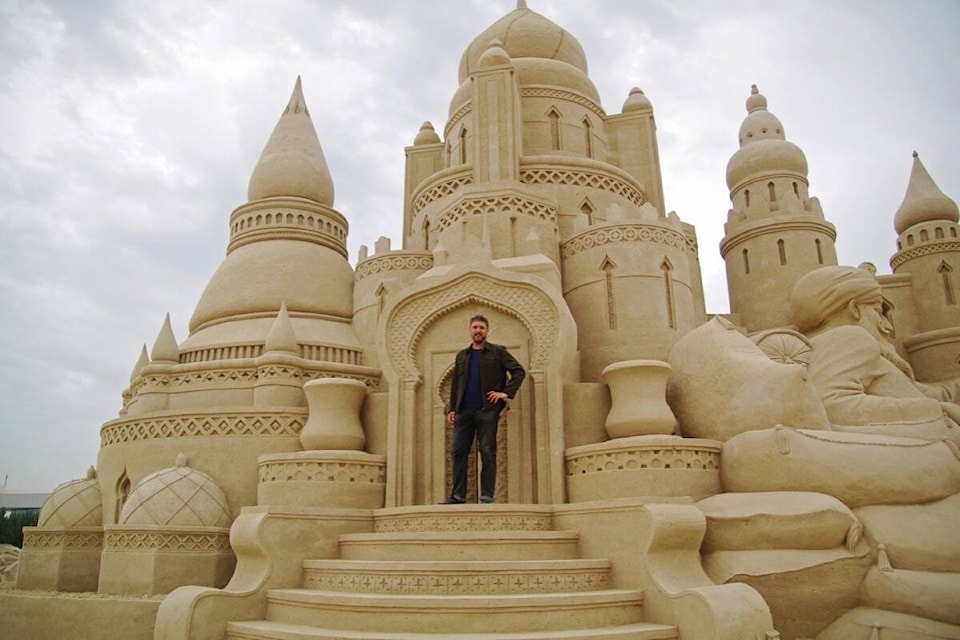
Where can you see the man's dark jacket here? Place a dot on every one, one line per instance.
(495, 363)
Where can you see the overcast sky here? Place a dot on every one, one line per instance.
(129, 129)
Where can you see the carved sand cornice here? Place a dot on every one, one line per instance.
(550, 174)
(626, 232)
(359, 472)
(287, 424)
(776, 225)
(655, 457)
(410, 321)
(382, 264)
(288, 219)
(72, 539)
(441, 189)
(563, 94)
(117, 539)
(497, 204)
(906, 255)
(464, 109)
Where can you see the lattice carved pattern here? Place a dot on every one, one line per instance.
(459, 583)
(388, 263)
(322, 471)
(465, 522)
(532, 307)
(40, 539)
(440, 190)
(622, 233)
(162, 541)
(581, 178)
(627, 460)
(560, 94)
(923, 250)
(273, 424)
(498, 204)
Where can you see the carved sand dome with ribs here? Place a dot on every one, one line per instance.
(178, 496)
(74, 504)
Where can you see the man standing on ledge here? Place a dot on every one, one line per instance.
(479, 390)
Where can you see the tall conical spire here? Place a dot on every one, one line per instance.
(923, 201)
(292, 163)
(142, 361)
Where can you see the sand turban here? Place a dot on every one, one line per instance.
(827, 290)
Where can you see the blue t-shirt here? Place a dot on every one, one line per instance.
(473, 394)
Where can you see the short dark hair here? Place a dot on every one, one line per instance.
(479, 318)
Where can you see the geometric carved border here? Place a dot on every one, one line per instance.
(534, 309)
(582, 178)
(164, 541)
(632, 232)
(923, 250)
(658, 457)
(202, 425)
(548, 92)
(388, 263)
(466, 521)
(321, 471)
(60, 539)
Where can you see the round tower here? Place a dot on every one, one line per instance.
(928, 252)
(775, 232)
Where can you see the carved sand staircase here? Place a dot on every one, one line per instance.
(492, 571)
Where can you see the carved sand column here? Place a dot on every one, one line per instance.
(334, 419)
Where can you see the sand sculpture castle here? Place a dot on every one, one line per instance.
(789, 470)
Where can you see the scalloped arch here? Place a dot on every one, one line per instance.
(411, 320)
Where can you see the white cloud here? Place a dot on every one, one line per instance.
(130, 130)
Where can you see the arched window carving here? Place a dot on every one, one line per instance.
(463, 145)
(667, 268)
(588, 137)
(782, 250)
(554, 117)
(607, 267)
(819, 251)
(746, 262)
(122, 491)
(946, 274)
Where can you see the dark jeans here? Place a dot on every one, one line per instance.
(483, 425)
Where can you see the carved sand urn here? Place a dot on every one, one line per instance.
(334, 418)
(638, 390)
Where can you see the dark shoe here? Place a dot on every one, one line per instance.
(486, 500)
(452, 500)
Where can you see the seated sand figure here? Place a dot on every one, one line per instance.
(864, 385)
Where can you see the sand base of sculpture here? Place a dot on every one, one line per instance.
(654, 465)
(60, 559)
(147, 560)
(340, 479)
(43, 615)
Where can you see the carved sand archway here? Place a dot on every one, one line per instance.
(542, 317)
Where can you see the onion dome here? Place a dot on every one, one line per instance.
(74, 504)
(542, 52)
(178, 497)
(763, 145)
(426, 135)
(636, 101)
(292, 163)
(923, 202)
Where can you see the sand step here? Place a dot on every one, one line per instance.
(266, 630)
(456, 578)
(466, 517)
(485, 613)
(460, 545)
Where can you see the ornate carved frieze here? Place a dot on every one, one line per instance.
(394, 262)
(628, 232)
(440, 190)
(420, 523)
(178, 541)
(582, 178)
(643, 458)
(202, 425)
(39, 538)
(497, 204)
(288, 219)
(321, 471)
(923, 250)
(457, 582)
